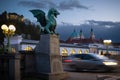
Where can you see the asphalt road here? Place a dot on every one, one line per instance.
(88, 75)
(81, 76)
(75, 75)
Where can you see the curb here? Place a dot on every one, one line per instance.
(107, 77)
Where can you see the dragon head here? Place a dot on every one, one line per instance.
(53, 12)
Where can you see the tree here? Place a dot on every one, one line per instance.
(23, 26)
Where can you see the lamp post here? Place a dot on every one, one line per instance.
(107, 43)
(8, 31)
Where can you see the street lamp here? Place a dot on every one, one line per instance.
(107, 43)
(8, 31)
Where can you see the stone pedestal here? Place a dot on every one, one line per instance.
(28, 62)
(48, 58)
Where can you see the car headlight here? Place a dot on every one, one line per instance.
(110, 63)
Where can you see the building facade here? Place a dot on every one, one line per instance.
(20, 44)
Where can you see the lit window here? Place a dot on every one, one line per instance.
(64, 52)
(28, 48)
(86, 51)
(13, 50)
(72, 51)
(80, 52)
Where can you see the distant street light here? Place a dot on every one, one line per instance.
(107, 43)
(8, 31)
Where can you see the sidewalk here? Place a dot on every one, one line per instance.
(107, 77)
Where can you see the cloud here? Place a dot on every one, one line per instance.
(33, 4)
(102, 29)
(62, 5)
(107, 24)
(71, 4)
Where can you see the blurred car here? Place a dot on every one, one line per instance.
(91, 61)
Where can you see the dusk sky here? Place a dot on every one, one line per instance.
(102, 15)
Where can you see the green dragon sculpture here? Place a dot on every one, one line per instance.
(48, 23)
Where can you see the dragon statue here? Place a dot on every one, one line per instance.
(48, 23)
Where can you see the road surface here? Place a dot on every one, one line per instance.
(87, 75)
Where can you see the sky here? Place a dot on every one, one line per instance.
(101, 15)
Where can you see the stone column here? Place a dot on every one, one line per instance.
(13, 65)
(48, 58)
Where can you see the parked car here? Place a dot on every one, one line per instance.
(90, 61)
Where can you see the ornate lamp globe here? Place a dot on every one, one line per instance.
(12, 28)
(4, 27)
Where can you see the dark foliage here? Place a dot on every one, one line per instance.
(24, 27)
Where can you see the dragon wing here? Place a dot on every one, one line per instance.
(40, 15)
